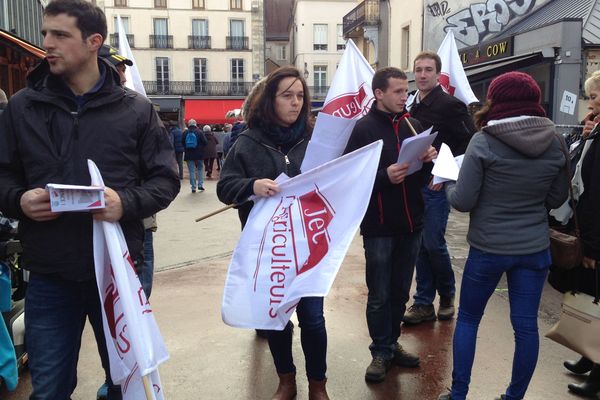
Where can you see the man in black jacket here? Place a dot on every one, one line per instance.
(74, 109)
(432, 106)
(391, 228)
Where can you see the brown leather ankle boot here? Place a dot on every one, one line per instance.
(316, 390)
(287, 387)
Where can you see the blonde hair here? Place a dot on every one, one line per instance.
(593, 82)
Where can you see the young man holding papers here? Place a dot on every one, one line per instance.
(391, 228)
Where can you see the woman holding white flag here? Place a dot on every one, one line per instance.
(279, 129)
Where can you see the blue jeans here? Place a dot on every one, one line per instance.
(147, 273)
(526, 275)
(434, 269)
(55, 314)
(196, 166)
(390, 263)
(313, 338)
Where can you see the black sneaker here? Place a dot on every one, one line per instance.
(403, 358)
(418, 313)
(377, 369)
(201, 189)
(193, 190)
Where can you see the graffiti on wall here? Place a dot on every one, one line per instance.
(472, 21)
(472, 24)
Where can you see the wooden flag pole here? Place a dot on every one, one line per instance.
(220, 210)
(147, 387)
(411, 127)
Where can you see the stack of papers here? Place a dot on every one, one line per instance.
(413, 148)
(75, 198)
(446, 166)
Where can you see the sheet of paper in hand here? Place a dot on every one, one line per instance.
(413, 148)
(75, 198)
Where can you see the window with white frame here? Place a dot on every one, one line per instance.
(200, 75)
(281, 52)
(320, 80)
(341, 42)
(320, 37)
(235, 4)
(162, 74)
(120, 3)
(405, 41)
(198, 4)
(237, 75)
(125, 21)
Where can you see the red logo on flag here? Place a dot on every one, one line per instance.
(316, 213)
(444, 80)
(349, 105)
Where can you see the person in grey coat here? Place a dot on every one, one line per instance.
(513, 169)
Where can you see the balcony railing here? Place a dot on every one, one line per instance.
(366, 13)
(237, 42)
(161, 41)
(114, 40)
(198, 42)
(191, 88)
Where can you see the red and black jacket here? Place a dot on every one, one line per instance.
(394, 209)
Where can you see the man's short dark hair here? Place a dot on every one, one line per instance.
(90, 18)
(381, 78)
(431, 55)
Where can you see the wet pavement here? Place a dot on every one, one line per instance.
(210, 360)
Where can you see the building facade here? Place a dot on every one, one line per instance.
(197, 58)
(278, 17)
(317, 41)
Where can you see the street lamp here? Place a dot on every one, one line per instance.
(305, 71)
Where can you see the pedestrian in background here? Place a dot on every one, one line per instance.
(194, 142)
(279, 130)
(449, 117)
(220, 134)
(586, 192)
(514, 168)
(177, 137)
(391, 227)
(226, 138)
(210, 151)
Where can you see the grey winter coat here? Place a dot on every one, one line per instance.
(511, 172)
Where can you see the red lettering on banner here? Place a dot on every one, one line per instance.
(317, 214)
(349, 105)
(444, 80)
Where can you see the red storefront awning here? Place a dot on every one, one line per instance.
(210, 111)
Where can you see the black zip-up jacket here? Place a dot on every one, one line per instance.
(394, 209)
(254, 156)
(448, 116)
(44, 138)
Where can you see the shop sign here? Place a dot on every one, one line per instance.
(487, 52)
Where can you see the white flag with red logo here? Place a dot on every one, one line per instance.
(453, 78)
(350, 94)
(294, 243)
(135, 346)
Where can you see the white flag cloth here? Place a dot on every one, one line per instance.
(350, 94)
(134, 80)
(294, 243)
(453, 78)
(135, 346)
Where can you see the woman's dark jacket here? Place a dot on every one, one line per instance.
(211, 145)
(45, 138)
(394, 209)
(588, 210)
(254, 156)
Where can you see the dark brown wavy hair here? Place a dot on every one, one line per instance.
(262, 110)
